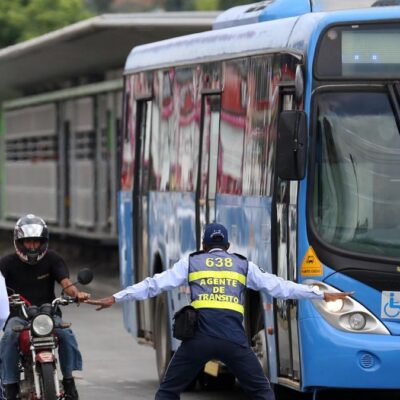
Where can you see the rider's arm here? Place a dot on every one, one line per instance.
(69, 288)
(60, 273)
(4, 305)
(72, 290)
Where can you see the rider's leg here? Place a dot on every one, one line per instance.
(2, 394)
(9, 352)
(68, 351)
(12, 391)
(70, 389)
(70, 360)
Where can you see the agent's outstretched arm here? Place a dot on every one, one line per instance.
(106, 302)
(149, 287)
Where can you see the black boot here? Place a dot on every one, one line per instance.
(70, 389)
(12, 391)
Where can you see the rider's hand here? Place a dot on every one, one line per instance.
(336, 296)
(102, 303)
(82, 296)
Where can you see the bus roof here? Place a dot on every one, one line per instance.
(268, 10)
(292, 34)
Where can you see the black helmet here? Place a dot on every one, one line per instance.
(31, 227)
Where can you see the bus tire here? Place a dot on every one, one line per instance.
(259, 345)
(162, 335)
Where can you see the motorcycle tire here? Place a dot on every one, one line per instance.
(47, 383)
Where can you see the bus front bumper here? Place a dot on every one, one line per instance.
(338, 359)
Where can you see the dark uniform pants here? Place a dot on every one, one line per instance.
(191, 356)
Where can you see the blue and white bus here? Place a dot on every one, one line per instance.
(283, 123)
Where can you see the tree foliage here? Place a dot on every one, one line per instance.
(204, 5)
(24, 19)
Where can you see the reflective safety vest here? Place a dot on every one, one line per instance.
(218, 280)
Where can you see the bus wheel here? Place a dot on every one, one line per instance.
(260, 349)
(162, 335)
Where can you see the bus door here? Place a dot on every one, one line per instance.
(285, 261)
(140, 207)
(208, 159)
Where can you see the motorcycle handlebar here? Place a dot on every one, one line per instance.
(17, 300)
(64, 300)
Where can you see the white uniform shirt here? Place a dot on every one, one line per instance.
(256, 280)
(4, 305)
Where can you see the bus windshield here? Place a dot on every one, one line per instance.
(355, 202)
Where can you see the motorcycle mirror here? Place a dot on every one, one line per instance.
(85, 276)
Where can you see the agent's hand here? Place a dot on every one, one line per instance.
(102, 303)
(336, 296)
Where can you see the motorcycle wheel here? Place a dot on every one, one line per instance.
(47, 384)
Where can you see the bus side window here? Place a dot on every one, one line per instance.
(214, 140)
(209, 156)
(292, 145)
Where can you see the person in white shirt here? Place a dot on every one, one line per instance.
(4, 304)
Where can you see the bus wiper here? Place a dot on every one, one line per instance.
(394, 96)
(357, 269)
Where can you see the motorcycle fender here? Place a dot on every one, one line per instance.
(45, 357)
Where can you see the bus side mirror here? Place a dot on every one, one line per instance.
(292, 145)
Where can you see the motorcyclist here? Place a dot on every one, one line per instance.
(32, 272)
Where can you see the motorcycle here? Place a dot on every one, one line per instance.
(37, 344)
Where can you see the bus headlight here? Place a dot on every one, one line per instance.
(42, 325)
(348, 314)
(335, 306)
(357, 321)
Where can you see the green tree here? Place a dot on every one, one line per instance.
(24, 19)
(205, 5)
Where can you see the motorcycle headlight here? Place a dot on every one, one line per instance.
(348, 314)
(42, 325)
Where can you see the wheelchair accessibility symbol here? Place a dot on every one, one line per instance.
(390, 307)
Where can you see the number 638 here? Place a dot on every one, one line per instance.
(219, 262)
